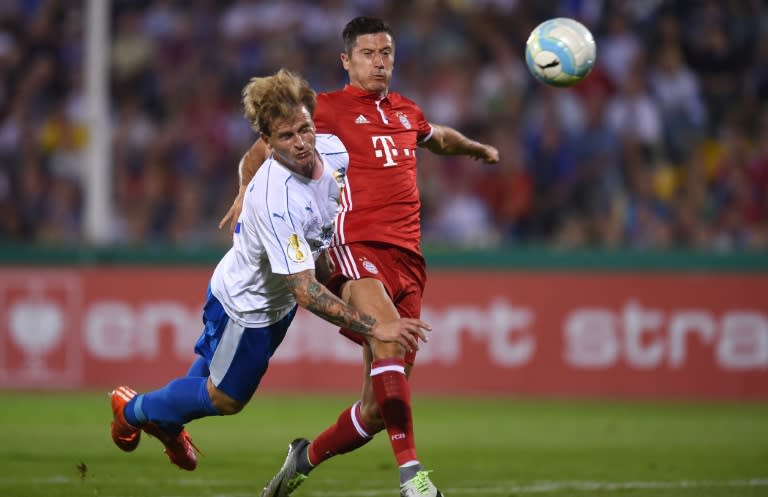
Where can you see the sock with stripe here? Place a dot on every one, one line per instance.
(393, 396)
(172, 406)
(346, 435)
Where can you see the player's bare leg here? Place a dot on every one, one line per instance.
(357, 424)
(386, 396)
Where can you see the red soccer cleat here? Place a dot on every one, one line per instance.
(179, 448)
(125, 435)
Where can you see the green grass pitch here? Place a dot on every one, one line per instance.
(477, 447)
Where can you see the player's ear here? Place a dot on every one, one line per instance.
(345, 60)
(267, 142)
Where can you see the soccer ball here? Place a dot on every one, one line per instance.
(560, 52)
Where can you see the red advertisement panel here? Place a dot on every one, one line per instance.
(680, 335)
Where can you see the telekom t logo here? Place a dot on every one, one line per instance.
(385, 145)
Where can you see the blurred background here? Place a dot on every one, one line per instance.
(664, 145)
(617, 250)
(615, 259)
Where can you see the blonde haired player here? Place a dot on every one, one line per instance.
(287, 221)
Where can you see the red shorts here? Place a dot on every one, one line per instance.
(402, 272)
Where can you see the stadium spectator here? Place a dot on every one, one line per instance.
(722, 52)
(508, 189)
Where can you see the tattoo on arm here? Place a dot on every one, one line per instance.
(317, 299)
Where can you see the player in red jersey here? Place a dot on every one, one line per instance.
(379, 268)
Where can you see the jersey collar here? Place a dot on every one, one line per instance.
(359, 92)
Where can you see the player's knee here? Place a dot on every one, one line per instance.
(371, 417)
(229, 407)
(387, 350)
(223, 403)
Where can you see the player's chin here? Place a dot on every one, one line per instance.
(377, 83)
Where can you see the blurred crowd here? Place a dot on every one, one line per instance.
(664, 145)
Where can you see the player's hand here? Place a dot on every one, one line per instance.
(488, 154)
(405, 331)
(233, 214)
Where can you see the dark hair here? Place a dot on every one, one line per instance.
(362, 26)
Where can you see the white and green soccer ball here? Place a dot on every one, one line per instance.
(560, 52)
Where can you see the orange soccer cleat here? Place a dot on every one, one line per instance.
(179, 448)
(125, 435)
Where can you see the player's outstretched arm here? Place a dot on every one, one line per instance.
(317, 299)
(249, 164)
(448, 141)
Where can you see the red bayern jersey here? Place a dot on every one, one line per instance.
(380, 201)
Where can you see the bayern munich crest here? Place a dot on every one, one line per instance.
(370, 267)
(404, 120)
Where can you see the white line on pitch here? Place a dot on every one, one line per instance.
(555, 486)
(478, 487)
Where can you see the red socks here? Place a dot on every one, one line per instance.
(346, 435)
(393, 395)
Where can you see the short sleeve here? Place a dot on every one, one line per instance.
(422, 125)
(322, 116)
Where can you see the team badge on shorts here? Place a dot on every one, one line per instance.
(370, 267)
(404, 120)
(297, 249)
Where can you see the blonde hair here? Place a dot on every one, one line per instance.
(267, 99)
